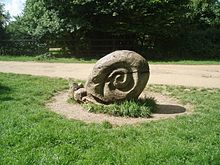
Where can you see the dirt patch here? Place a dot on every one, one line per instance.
(168, 108)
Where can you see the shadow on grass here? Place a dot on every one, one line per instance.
(170, 109)
(4, 90)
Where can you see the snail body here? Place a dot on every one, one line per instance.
(117, 76)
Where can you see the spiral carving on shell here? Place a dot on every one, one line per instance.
(118, 76)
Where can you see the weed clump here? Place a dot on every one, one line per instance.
(107, 125)
(129, 108)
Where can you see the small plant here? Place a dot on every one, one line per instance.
(129, 108)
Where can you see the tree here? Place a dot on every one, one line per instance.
(77, 17)
(156, 25)
(202, 40)
(38, 22)
(205, 13)
(4, 17)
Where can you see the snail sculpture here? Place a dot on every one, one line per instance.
(120, 75)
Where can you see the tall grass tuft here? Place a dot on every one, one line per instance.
(129, 108)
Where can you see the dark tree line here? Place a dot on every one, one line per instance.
(158, 28)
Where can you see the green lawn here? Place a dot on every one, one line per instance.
(188, 62)
(93, 60)
(31, 134)
(52, 60)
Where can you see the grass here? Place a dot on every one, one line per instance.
(31, 134)
(188, 62)
(131, 108)
(16, 58)
(93, 60)
(52, 60)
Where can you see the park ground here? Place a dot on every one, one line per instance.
(31, 134)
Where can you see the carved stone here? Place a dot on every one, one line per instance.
(117, 76)
(77, 91)
(79, 94)
(72, 88)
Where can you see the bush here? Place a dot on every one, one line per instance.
(194, 45)
(203, 44)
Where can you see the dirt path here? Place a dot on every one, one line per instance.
(187, 75)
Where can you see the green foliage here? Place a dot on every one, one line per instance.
(17, 31)
(158, 29)
(39, 22)
(130, 108)
(4, 17)
(205, 13)
(107, 125)
(202, 44)
(51, 19)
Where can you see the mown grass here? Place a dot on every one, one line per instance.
(93, 60)
(187, 62)
(31, 134)
(50, 60)
(142, 107)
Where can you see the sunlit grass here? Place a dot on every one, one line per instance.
(94, 59)
(51, 60)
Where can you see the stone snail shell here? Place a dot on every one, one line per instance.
(117, 76)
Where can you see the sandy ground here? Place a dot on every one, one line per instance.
(167, 108)
(207, 76)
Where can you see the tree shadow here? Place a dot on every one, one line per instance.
(4, 90)
(170, 109)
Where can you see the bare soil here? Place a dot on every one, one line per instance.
(167, 108)
(207, 76)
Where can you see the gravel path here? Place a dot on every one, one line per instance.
(207, 76)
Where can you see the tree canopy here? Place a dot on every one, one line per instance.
(205, 13)
(160, 23)
(3, 20)
(48, 18)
